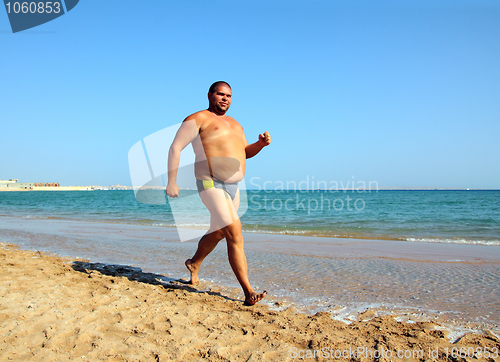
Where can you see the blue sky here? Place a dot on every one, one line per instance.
(401, 93)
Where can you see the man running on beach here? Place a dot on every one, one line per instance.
(221, 151)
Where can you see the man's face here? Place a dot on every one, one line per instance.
(220, 100)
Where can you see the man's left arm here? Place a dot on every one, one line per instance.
(254, 148)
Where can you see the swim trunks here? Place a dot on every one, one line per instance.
(230, 188)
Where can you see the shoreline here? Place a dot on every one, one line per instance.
(65, 308)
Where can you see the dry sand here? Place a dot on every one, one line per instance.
(60, 309)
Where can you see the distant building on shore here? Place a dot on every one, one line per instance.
(6, 183)
(14, 184)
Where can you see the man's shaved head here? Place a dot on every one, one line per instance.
(213, 87)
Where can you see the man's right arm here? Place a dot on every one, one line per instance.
(185, 135)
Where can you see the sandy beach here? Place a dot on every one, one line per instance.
(60, 309)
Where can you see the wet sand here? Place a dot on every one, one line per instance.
(60, 309)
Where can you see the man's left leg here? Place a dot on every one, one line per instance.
(238, 261)
(237, 257)
(224, 218)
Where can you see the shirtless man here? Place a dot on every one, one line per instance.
(221, 150)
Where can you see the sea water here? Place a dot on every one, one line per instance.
(469, 217)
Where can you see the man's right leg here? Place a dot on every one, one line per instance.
(215, 201)
(222, 213)
(205, 246)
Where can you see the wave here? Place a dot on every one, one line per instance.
(493, 242)
(279, 230)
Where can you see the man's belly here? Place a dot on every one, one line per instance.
(222, 157)
(226, 169)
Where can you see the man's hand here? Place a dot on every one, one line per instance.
(254, 148)
(265, 139)
(172, 190)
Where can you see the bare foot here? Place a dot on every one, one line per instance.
(194, 272)
(255, 297)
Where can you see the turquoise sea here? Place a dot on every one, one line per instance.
(469, 217)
